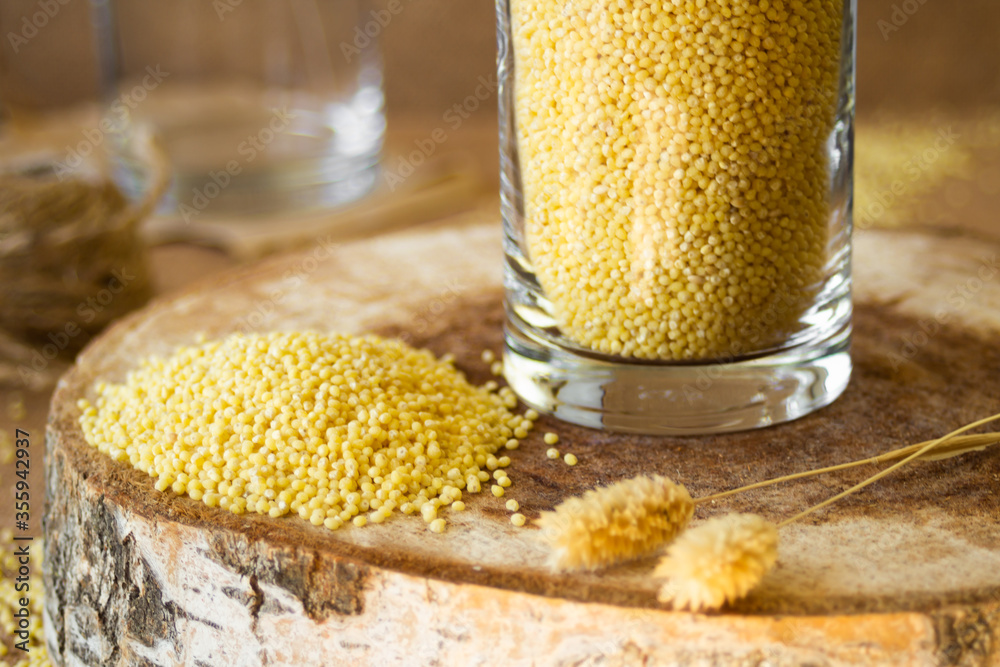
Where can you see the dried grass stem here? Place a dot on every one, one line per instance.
(954, 447)
(929, 446)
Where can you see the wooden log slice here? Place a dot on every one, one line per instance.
(907, 572)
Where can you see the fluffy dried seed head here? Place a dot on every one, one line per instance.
(615, 523)
(717, 562)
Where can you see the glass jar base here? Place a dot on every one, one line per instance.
(682, 399)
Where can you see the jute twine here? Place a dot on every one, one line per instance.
(71, 260)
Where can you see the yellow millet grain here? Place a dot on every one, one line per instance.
(674, 167)
(550, 438)
(518, 519)
(10, 601)
(552, 453)
(16, 409)
(890, 146)
(8, 451)
(322, 426)
(570, 459)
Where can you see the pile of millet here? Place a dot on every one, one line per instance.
(331, 427)
(674, 167)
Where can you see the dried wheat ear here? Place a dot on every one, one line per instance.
(718, 562)
(722, 560)
(615, 523)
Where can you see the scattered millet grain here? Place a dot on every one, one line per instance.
(488, 357)
(674, 167)
(615, 523)
(458, 506)
(570, 459)
(438, 525)
(552, 453)
(319, 425)
(496, 368)
(513, 443)
(504, 482)
(513, 505)
(16, 409)
(518, 519)
(550, 438)
(7, 449)
(497, 490)
(429, 512)
(10, 600)
(890, 146)
(717, 562)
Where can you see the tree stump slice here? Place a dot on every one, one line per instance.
(907, 572)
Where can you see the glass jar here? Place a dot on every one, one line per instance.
(676, 196)
(262, 106)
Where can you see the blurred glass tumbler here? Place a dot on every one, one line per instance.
(676, 195)
(261, 105)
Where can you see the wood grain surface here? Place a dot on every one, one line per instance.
(907, 572)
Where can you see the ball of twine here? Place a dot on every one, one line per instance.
(71, 258)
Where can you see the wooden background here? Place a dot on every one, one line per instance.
(944, 54)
